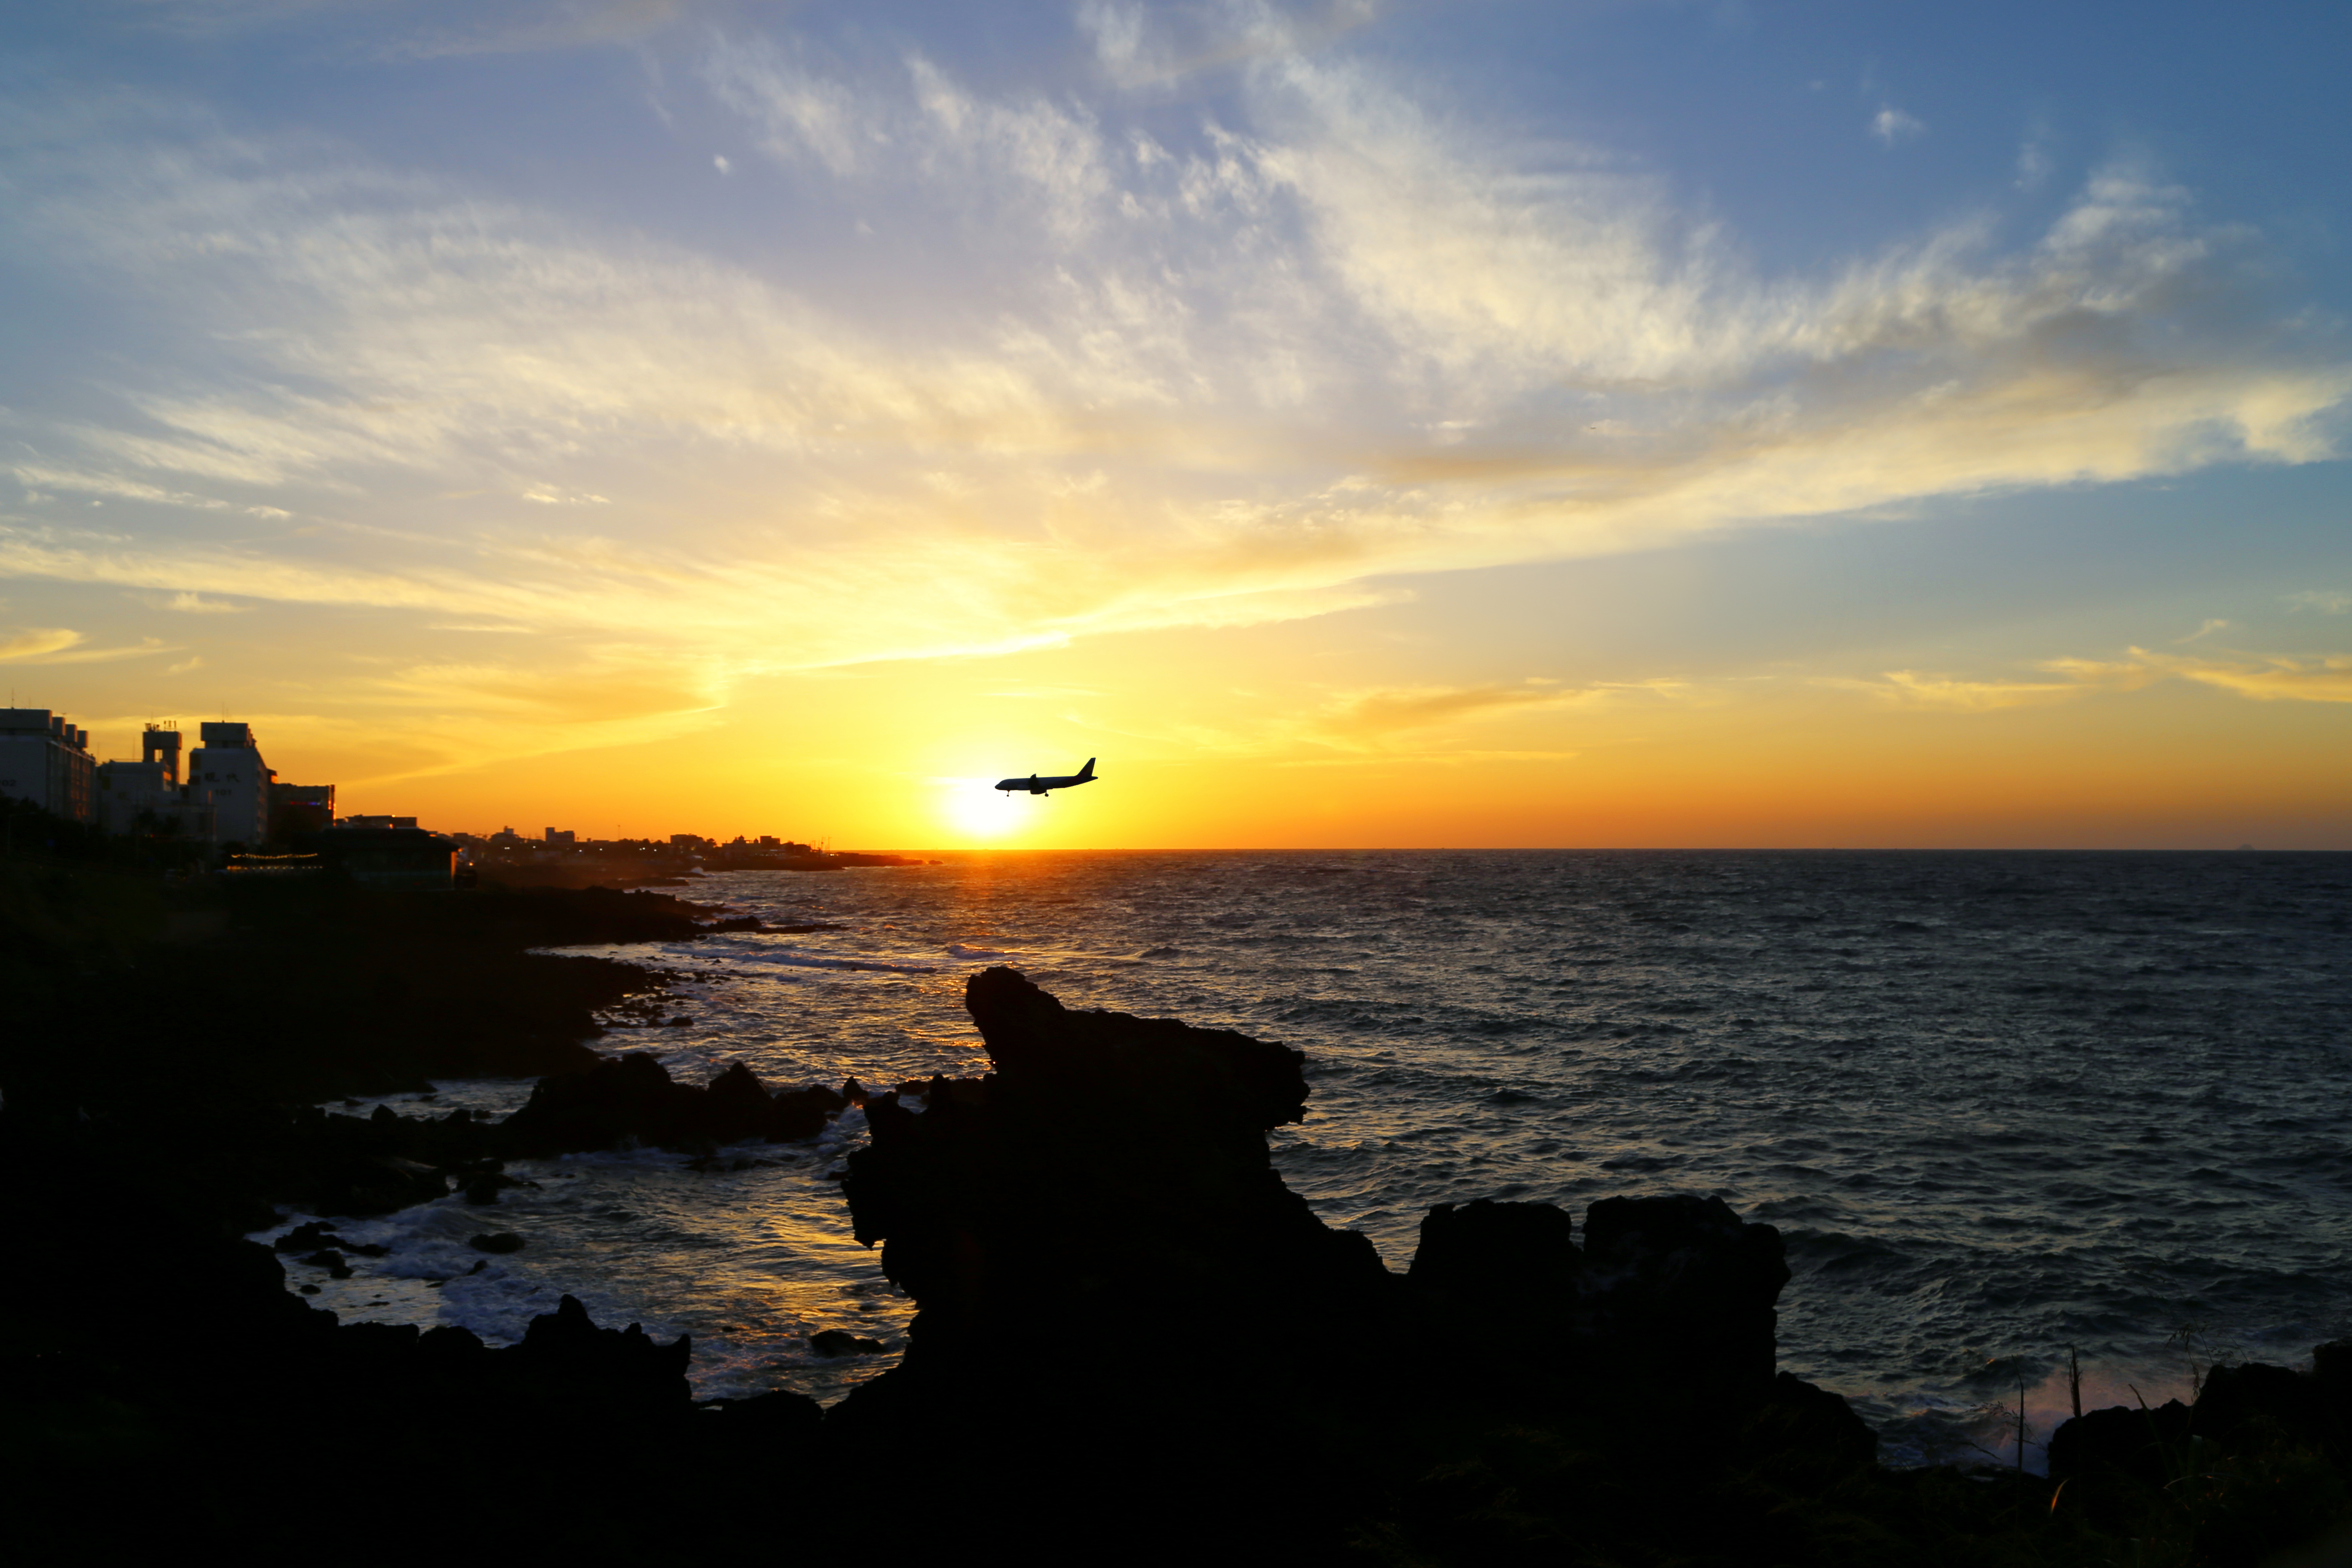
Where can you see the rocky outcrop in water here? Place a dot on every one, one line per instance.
(1120, 1161)
(632, 1099)
(1109, 1273)
(2107, 1456)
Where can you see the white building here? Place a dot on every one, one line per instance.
(149, 795)
(226, 773)
(47, 761)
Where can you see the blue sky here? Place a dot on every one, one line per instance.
(1453, 381)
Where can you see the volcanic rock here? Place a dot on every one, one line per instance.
(2121, 1438)
(633, 1098)
(1487, 1258)
(1118, 1168)
(1683, 1294)
(564, 1349)
(734, 1106)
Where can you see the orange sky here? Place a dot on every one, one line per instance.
(901, 756)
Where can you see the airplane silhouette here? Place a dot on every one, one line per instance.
(1036, 785)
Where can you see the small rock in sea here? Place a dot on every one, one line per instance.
(331, 1261)
(496, 1241)
(308, 1238)
(840, 1343)
(483, 1191)
(479, 1265)
(309, 1290)
(681, 1022)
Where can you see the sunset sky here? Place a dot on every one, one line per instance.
(1356, 424)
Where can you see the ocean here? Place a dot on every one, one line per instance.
(1999, 1105)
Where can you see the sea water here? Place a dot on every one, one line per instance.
(1998, 1104)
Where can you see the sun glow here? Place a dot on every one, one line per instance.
(976, 812)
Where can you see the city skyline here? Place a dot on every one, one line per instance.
(1358, 424)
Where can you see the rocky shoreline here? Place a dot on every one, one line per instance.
(1133, 1341)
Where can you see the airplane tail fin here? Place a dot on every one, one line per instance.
(1088, 771)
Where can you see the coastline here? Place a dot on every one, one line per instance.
(129, 1164)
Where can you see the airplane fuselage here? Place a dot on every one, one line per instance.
(1037, 784)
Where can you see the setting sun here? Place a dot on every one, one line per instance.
(971, 811)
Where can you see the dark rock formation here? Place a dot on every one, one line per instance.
(2236, 1400)
(632, 1097)
(1682, 1293)
(1107, 1190)
(2248, 1407)
(1108, 1271)
(566, 1353)
(628, 1097)
(734, 1106)
(1796, 1417)
(1151, 1215)
(831, 1342)
(1497, 1268)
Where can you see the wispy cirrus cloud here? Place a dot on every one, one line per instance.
(61, 644)
(33, 642)
(1948, 693)
(188, 603)
(1374, 717)
(2272, 678)
(2265, 678)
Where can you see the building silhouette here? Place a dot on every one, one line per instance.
(47, 761)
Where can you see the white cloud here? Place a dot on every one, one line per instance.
(2327, 601)
(1891, 125)
(1139, 46)
(2034, 163)
(804, 114)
